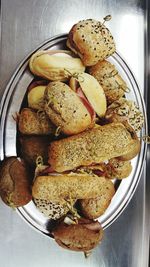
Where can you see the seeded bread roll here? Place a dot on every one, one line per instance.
(95, 207)
(65, 109)
(107, 75)
(124, 110)
(32, 122)
(91, 40)
(93, 146)
(66, 186)
(52, 209)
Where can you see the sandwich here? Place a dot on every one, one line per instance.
(93, 146)
(55, 187)
(83, 236)
(91, 41)
(108, 77)
(112, 169)
(87, 87)
(66, 110)
(55, 65)
(72, 231)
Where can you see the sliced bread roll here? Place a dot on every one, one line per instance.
(91, 40)
(83, 236)
(66, 186)
(55, 65)
(65, 109)
(93, 146)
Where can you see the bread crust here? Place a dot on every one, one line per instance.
(66, 186)
(109, 78)
(119, 169)
(95, 207)
(32, 122)
(14, 183)
(77, 237)
(91, 40)
(125, 111)
(93, 146)
(65, 109)
(48, 65)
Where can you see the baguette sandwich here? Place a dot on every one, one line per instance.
(65, 186)
(93, 146)
(55, 65)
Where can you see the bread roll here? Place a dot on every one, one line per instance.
(110, 80)
(55, 65)
(65, 109)
(93, 146)
(91, 40)
(78, 237)
(93, 92)
(15, 189)
(66, 186)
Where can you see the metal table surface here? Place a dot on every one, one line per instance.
(24, 25)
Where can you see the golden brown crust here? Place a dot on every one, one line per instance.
(77, 237)
(50, 65)
(134, 147)
(95, 207)
(93, 146)
(65, 109)
(14, 183)
(119, 169)
(107, 75)
(65, 186)
(91, 40)
(32, 122)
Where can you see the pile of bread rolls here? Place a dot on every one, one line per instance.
(77, 133)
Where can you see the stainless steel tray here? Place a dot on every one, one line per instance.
(11, 103)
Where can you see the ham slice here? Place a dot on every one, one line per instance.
(86, 103)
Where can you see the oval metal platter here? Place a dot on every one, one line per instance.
(11, 103)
